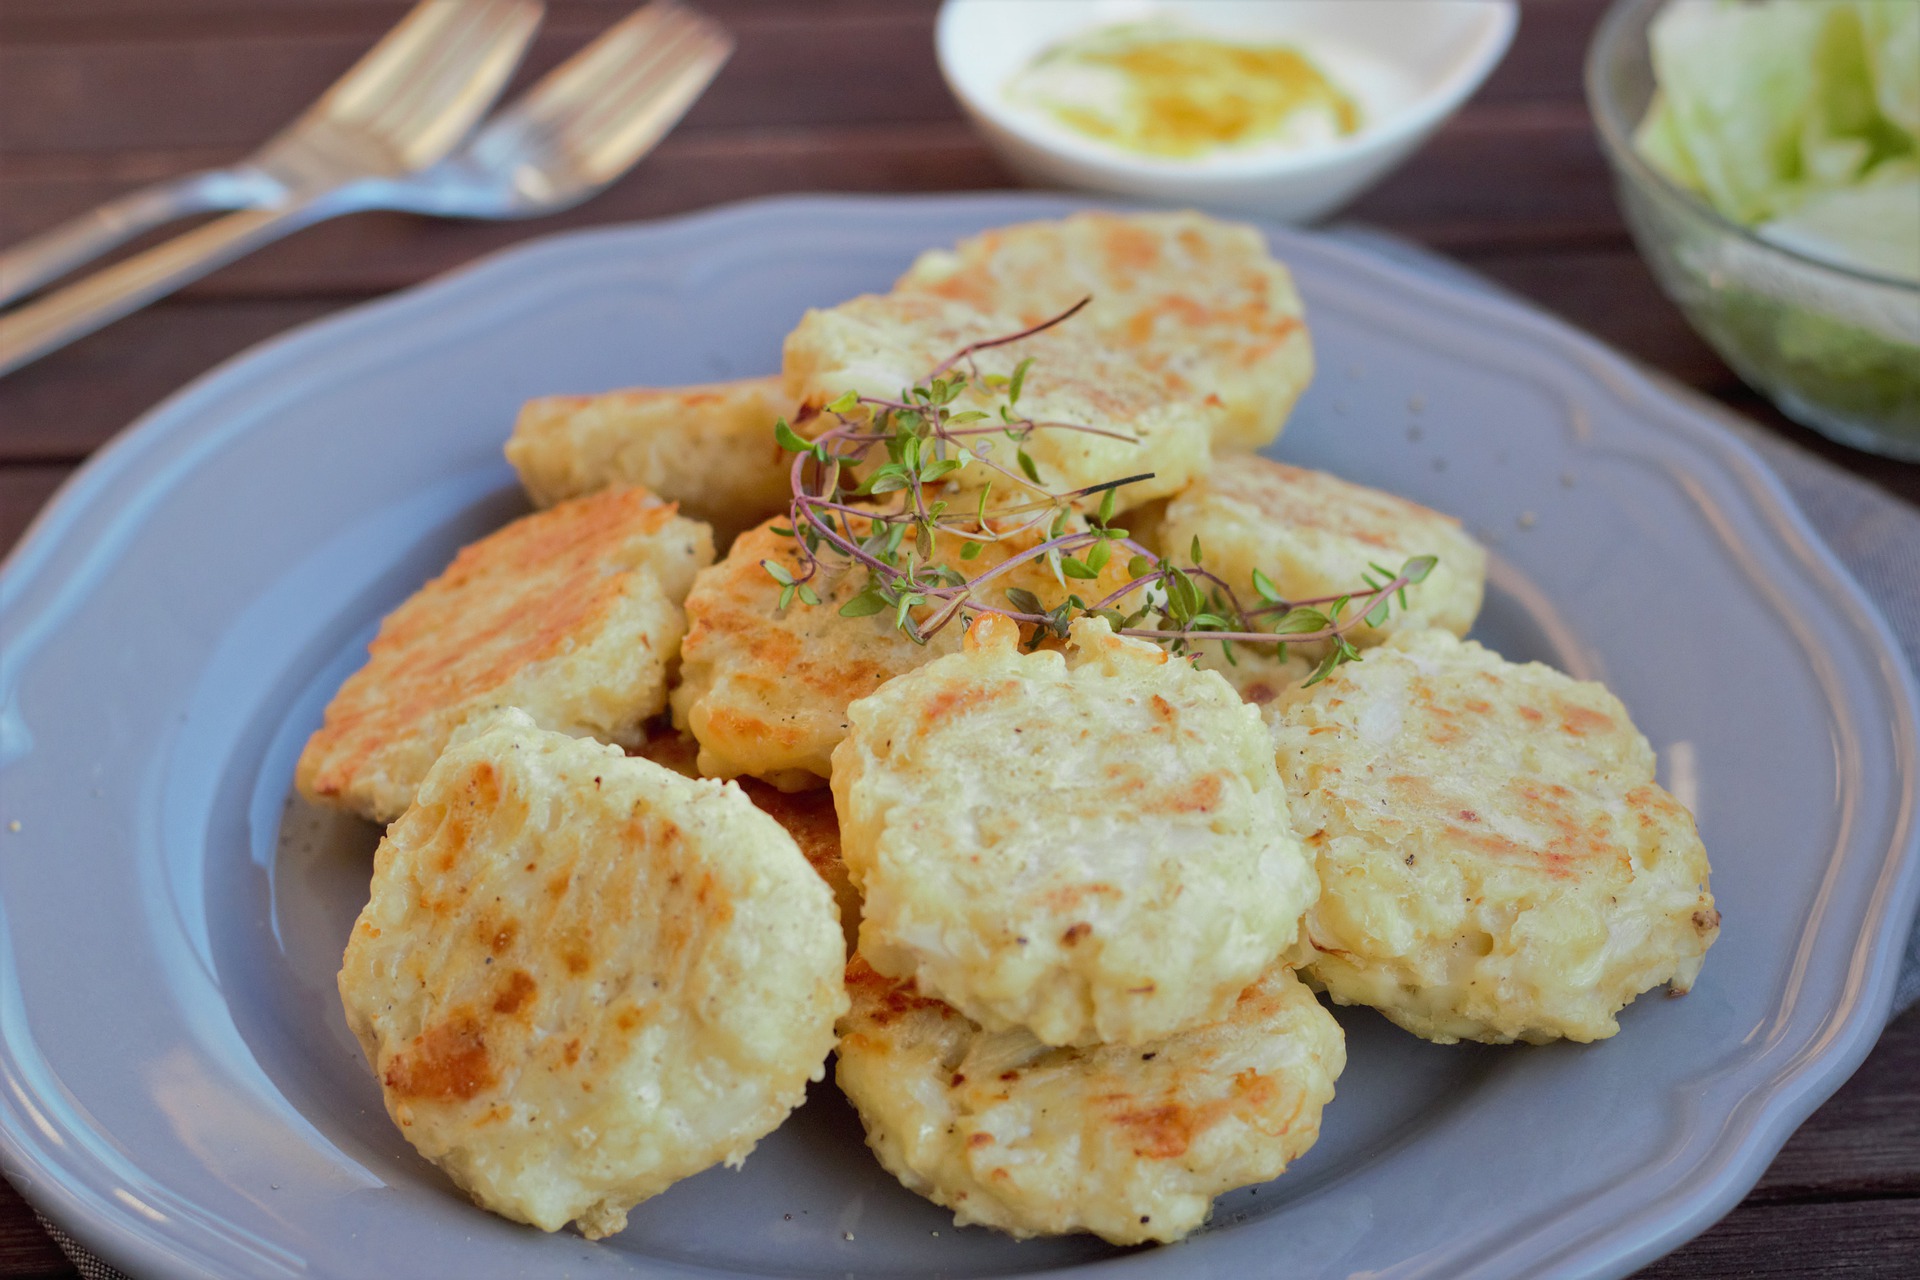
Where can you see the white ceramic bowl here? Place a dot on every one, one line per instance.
(1410, 63)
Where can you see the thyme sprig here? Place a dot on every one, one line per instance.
(872, 493)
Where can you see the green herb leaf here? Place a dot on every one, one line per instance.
(1107, 500)
(1077, 569)
(1026, 465)
(1417, 568)
(864, 605)
(971, 551)
(1325, 669)
(789, 439)
(807, 594)
(844, 401)
(1098, 555)
(1300, 621)
(777, 572)
(1196, 548)
(1264, 585)
(1183, 598)
(1019, 380)
(1139, 567)
(1024, 601)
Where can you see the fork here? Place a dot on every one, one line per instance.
(573, 133)
(401, 107)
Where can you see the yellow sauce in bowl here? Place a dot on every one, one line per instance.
(1169, 92)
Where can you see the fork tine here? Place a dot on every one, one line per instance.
(614, 98)
(427, 110)
(608, 83)
(652, 106)
(400, 52)
(585, 74)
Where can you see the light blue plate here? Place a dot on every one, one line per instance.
(177, 1087)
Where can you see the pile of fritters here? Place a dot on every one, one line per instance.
(641, 812)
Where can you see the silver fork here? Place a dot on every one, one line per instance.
(583, 125)
(579, 128)
(401, 107)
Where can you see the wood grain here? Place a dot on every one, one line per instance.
(1850, 1240)
(24, 489)
(97, 96)
(27, 1252)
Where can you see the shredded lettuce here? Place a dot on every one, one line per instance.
(1891, 31)
(1798, 117)
(1874, 224)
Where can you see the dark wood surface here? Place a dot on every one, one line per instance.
(838, 95)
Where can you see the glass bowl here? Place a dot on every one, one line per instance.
(1835, 348)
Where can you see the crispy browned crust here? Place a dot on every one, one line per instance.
(1192, 297)
(1128, 1142)
(709, 448)
(570, 613)
(766, 691)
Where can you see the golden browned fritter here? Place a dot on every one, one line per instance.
(581, 977)
(1496, 860)
(1190, 296)
(709, 448)
(1092, 845)
(766, 691)
(1143, 422)
(572, 614)
(1130, 1143)
(1315, 535)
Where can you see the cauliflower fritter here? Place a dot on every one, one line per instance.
(1091, 845)
(1184, 294)
(572, 614)
(766, 691)
(1143, 423)
(1314, 535)
(709, 448)
(581, 977)
(1495, 858)
(1130, 1143)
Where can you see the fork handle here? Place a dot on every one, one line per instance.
(39, 327)
(78, 241)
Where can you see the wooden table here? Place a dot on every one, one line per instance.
(837, 95)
